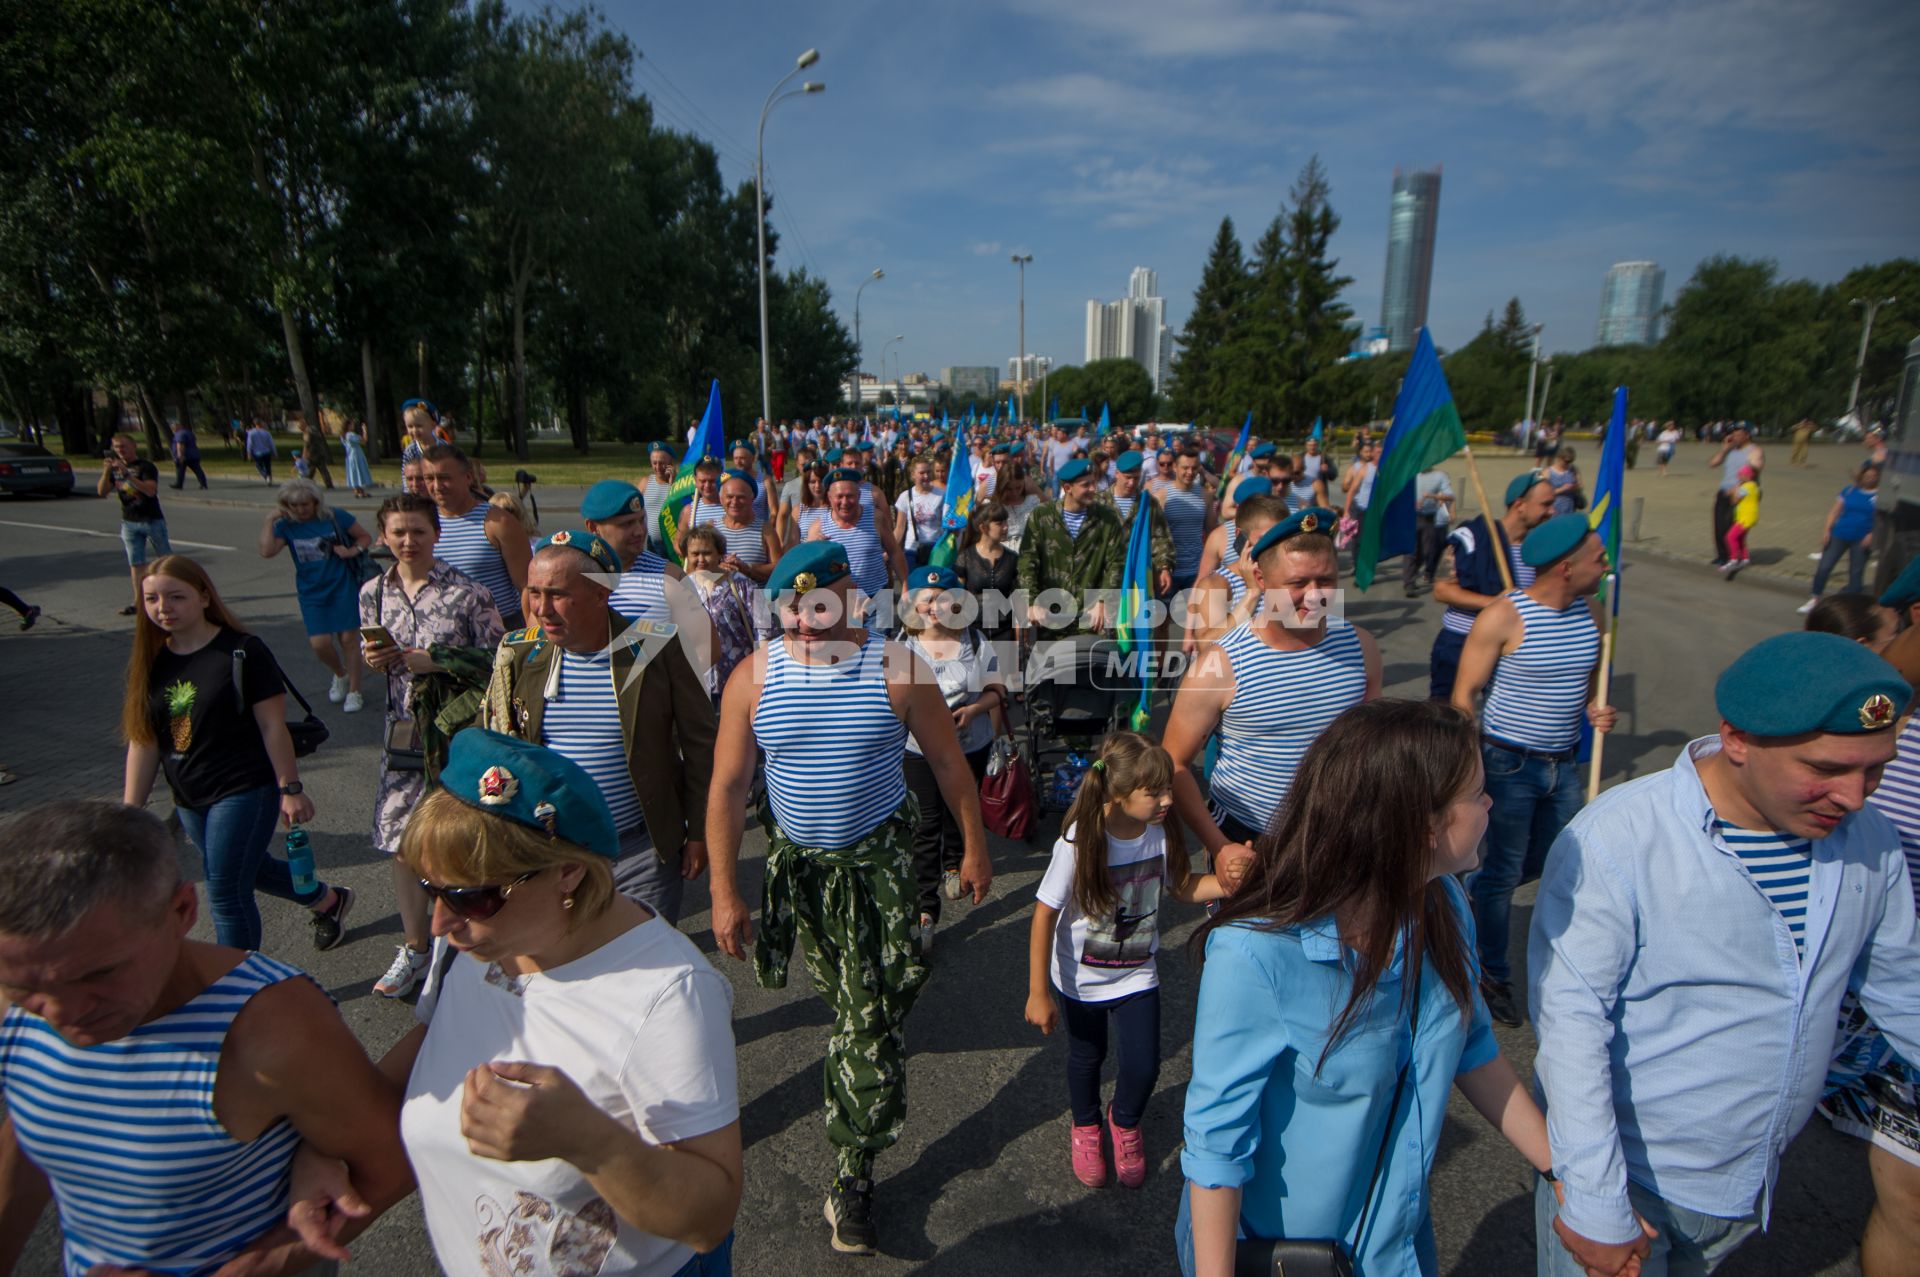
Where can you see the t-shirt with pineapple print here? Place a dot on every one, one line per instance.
(210, 744)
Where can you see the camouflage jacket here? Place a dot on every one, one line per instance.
(1050, 559)
(1158, 531)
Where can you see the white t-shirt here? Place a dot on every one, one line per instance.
(961, 681)
(923, 514)
(1109, 957)
(984, 477)
(1060, 451)
(643, 1025)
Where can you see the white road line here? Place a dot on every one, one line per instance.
(111, 536)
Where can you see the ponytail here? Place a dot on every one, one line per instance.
(1128, 763)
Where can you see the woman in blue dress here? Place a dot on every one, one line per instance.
(359, 473)
(326, 545)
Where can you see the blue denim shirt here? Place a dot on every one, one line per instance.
(1683, 1042)
(1300, 1147)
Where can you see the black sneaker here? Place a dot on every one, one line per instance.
(31, 615)
(1498, 995)
(330, 925)
(849, 1213)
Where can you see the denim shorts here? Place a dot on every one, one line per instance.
(136, 536)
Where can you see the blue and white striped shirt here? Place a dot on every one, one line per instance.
(1281, 703)
(1538, 694)
(864, 556)
(463, 543)
(1230, 552)
(746, 544)
(582, 721)
(1781, 865)
(642, 592)
(1186, 511)
(144, 1174)
(1123, 506)
(1074, 519)
(1899, 797)
(834, 746)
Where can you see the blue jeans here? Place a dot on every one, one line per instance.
(1533, 799)
(135, 536)
(234, 836)
(717, 1262)
(1856, 552)
(1689, 1245)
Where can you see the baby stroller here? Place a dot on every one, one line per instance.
(1076, 694)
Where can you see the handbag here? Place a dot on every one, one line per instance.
(361, 566)
(402, 751)
(1327, 1257)
(309, 734)
(1006, 793)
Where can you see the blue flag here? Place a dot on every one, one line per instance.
(709, 440)
(955, 505)
(1133, 627)
(1604, 513)
(1318, 429)
(1233, 457)
(1426, 431)
(1106, 423)
(995, 423)
(1053, 409)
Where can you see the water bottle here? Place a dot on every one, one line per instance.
(300, 860)
(1063, 785)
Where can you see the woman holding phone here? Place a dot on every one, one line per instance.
(431, 629)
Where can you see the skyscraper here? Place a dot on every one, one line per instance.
(1412, 218)
(1630, 305)
(1135, 327)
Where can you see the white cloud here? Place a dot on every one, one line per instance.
(984, 248)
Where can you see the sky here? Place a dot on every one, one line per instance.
(1100, 135)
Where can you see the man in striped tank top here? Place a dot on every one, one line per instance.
(751, 544)
(1473, 580)
(650, 588)
(118, 1029)
(1536, 652)
(1694, 936)
(866, 535)
(665, 468)
(620, 698)
(831, 705)
(484, 541)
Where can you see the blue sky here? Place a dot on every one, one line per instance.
(1103, 134)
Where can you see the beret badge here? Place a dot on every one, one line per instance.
(498, 786)
(545, 813)
(805, 581)
(1877, 712)
(1309, 522)
(562, 538)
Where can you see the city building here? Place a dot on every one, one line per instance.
(1029, 372)
(1135, 327)
(1630, 305)
(975, 379)
(1412, 218)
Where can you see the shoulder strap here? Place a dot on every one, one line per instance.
(1399, 1085)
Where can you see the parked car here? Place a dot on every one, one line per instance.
(27, 467)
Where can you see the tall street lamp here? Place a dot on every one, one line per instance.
(801, 63)
(1021, 260)
(853, 400)
(1872, 308)
(883, 364)
(1533, 368)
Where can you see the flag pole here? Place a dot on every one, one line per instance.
(1605, 683)
(1493, 517)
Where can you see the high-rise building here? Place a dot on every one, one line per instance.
(1630, 305)
(1412, 219)
(978, 381)
(1135, 327)
(1028, 371)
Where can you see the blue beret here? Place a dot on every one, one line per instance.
(611, 498)
(585, 542)
(530, 785)
(1905, 590)
(1802, 682)
(1256, 486)
(1521, 485)
(860, 445)
(1262, 451)
(844, 474)
(808, 566)
(1315, 518)
(932, 578)
(835, 456)
(1015, 448)
(660, 445)
(1127, 462)
(1555, 539)
(1000, 448)
(742, 443)
(753, 484)
(1074, 469)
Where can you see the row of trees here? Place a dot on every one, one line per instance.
(246, 206)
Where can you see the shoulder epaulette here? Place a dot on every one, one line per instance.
(531, 634)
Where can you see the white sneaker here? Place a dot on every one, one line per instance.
(950, 885)
(338, 691)
(925, 931)
(408, 966)
(353, 704)
(1809, 605)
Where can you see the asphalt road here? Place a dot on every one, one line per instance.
(980, 1182)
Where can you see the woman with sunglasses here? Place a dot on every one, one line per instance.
(571, 1103)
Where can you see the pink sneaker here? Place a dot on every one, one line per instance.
(1129, 1152)
(1089, 1163)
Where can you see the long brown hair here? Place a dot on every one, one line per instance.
(983, 513)
(1128, 763)
(149, 640)
(1369, 862)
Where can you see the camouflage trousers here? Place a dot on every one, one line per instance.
(852, 910)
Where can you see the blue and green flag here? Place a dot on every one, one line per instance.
(708, 441)
(1426, 431)
(1133, 625)
(1233, 458)
(955, 505)
(1604, 513)
(1106, 423)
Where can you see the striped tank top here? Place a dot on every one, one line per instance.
(834, 746)
(1125, 506)
(862, 545)
(1236, 586)
(143, 1173)
(1459, 619)
(582, 722)
(806, 516)
(1281, 702)
(464, 544)
(1539, 690)
(1899, 797)
(746, 544)
(655, 494)
(1186, 511)
(642, 592)
(1229, 552)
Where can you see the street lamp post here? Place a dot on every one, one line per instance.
(1533, 368)
(883, 366)
(1872, 308)
(801, 63)
(1021, 261)
(853, 400)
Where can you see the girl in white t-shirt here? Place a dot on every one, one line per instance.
(1095, 931)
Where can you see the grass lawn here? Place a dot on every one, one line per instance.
(553, 462)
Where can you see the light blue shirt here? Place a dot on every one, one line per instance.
(1300, 1147)
(1683, 1039)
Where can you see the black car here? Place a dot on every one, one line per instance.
(27, 467)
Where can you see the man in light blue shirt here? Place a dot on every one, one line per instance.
(1694, 933)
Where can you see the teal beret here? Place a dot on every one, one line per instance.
(1262, 451)
(1905, 590)
(835, 456)
(1000, 448)
(660, 445)
(932, 578)
(1803, 681)
(1127, 462)
(611, 498)
(844, 474)
(1257, 486)
(742, 443)
(1074, 469)
(1555, 539)
(1521, 485)
(530, 785)
(808, 566)
(753, 484)
(1315, 518)
(585, 542)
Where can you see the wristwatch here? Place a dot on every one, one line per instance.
(292, 787)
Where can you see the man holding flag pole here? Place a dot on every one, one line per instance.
(1604, 517)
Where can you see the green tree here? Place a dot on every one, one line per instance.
(1122, 385)
(812, 350)
(1317, 327)
(1198, 367)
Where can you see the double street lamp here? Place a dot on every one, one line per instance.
(801, 63)
(853, 400)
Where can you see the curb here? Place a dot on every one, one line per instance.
(1776, 581)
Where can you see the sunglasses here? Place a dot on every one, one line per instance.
(475, 903)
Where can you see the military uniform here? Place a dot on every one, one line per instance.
(1052, 559)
